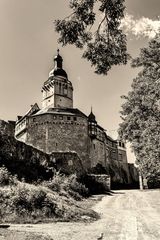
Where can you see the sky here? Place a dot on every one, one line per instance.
(28, 44)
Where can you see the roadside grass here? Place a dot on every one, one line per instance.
(60, 199)
(16, 235)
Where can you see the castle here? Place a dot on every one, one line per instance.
(59, 127)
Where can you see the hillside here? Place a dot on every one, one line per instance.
(60, 198)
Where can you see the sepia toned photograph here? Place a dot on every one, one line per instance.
(79, 120)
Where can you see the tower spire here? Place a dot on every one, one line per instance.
(91, 116)
(58, 61)
(58, 67)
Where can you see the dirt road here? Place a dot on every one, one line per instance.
(126, 215)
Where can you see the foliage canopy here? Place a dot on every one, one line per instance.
(104, 47)
(141, 111)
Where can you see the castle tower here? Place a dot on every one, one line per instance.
(57, 90)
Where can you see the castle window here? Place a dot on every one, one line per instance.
(75, 118)
(54, 117)
(68, 118)
(123, 145)
(61, 117)
(65, 90)
(120, 144)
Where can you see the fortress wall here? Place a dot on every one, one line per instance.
(32, 164)
(51, 133)
(97, 153)
(122, 156)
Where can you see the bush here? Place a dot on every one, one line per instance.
(6, 178)
(32, 202)
(70, 184)
(154, 182)
(55, 184)
(20, 198)
(77, 187)
(24, 203)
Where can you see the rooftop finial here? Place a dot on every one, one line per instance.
(58, 60)
(58, 66)
(91, 116)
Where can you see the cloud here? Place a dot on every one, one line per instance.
(142, 27)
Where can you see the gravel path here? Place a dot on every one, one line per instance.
(126, 215)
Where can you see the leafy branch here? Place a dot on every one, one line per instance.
(105, 48)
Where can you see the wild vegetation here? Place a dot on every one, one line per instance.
(57, 199)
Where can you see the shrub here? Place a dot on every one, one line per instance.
(33, 201)
(20, 198)
(68, 183)
(55, 184)
(6, 178)
(77, 187)
(23, 203)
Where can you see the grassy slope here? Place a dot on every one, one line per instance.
(22, 202)
(50, 201)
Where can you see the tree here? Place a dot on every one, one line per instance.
(104, 47)
(141, 111)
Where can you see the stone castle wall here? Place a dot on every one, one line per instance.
(122, 156)
(97, 153)
(60, 101)
(32, 164)
(50, 133)
(66, 162)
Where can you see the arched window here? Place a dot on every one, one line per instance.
(65, 90)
